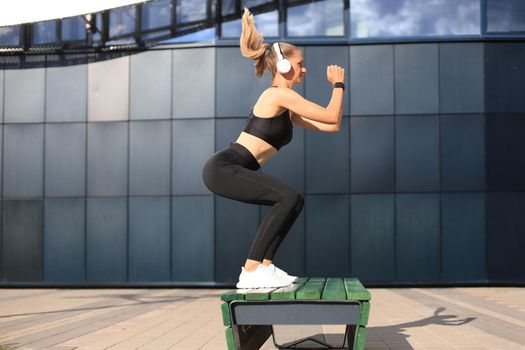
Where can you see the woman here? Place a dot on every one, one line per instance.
(232, 173)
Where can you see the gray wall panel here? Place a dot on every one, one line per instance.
(149, 158)
(227, 131)
(237, 86)
(416, 78)
(327, 161)
(64, 234)
(505, 169)
(461, 78)
(193, 143)
(417, 153)
(106, 242)
(236, 225)
(317, 88)
(462, 153)
(66, 94)
(505, 73)
(149, 239)
(193, 239)
(23, 160)
(372, 154)
(194, 80)
(108, 89)
(372, 79)
(288, 165)
(65, 160)
(463, 237)
(22, 241)
(327, 235)
(417, 237)
(373, 237)
(2, 96)
(150, 85)
(107, 163)
(1, 159)
(24, 95)
(505, 238)
(1, 242)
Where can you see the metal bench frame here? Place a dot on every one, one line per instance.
(253, 321)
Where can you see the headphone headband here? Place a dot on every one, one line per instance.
(277, 49)
(283, 65)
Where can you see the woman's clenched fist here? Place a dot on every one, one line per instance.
(335, 73)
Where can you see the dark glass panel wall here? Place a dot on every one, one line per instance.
(149, 239)
(66, 81)
(193, 232)
(24, 97)
(150, 85)
(504, 77)
(22, 240)
(64, 240)
(327, 246)
(461, 80)
(101, 165)
(416, 78)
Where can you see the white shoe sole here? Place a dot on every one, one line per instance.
(240, 285)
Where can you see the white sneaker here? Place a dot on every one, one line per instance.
(283, 274)
(262, 277)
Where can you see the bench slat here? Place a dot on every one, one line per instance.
(230, 340)
(259, 294)
(334, 289)
(360, 340)
(355, 290)
(225, 310)
(312, 290)
(287, 293)
(237, 294)
(317, 279)
(365, 311)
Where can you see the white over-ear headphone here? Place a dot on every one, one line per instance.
(283, 65)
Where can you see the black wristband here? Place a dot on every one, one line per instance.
(339, 84)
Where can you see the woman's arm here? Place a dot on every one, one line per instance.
(314, 125)
(330, 114)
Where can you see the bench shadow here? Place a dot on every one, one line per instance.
(134, 300)
(381, 337)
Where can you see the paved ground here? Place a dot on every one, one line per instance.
(415, 318)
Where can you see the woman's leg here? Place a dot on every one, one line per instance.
(270, 252)
(235, 182)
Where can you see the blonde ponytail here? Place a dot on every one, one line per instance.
(252, 45)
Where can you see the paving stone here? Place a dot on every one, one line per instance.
(411, 318)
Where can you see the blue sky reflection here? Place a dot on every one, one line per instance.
(398, 18)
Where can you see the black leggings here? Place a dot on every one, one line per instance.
(232, 173)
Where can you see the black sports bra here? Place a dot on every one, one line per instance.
(277, 131)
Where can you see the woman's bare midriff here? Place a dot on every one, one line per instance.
(261, 150)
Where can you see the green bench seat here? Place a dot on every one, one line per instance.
(250, 315)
